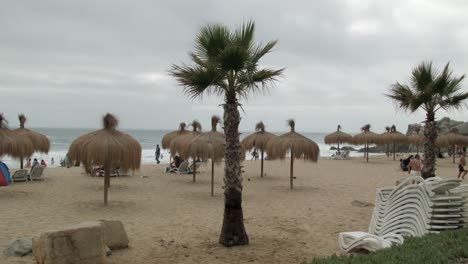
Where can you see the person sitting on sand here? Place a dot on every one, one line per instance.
(404, 163)
(414, 166)
(43, 163)
(461, 167)
(28, 164)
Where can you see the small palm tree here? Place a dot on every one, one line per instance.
(430, 90)
(225, 63)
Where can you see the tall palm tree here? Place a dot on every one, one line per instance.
(225, 63)
(429, 90)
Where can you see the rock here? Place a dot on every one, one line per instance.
(462, 128)
(414, 127)
(20, 247)
(115, 236)
(343, 148)
(446, 123)
(78, 244)
(108, 251)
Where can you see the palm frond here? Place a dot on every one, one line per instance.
(403, 95)
(210, 41)
(244, 35)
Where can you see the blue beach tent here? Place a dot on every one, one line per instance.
(5, 179)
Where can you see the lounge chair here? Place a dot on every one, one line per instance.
(20, 175)
(410, 209)
(37, 173)
(342, 156)
(122, 172)
(182, 169)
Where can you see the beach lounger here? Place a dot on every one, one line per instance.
(20, 175)
(415, 207)
(37, 173)
(182, 169)
(121, 172)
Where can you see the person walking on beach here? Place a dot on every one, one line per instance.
(158, 154)
(52, 161)
(461, 167)
(414, 167)
(254, 155)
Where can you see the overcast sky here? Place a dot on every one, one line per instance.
(67, 63)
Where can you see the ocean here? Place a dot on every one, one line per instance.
(61, 139)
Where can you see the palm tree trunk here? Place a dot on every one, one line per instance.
(212, 177)
(430, 136)
(233, 231)
(261, 165)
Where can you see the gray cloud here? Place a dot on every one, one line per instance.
(66, 63)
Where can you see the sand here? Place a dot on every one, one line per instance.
(170, 219)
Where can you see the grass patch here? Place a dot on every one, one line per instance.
(446, 247)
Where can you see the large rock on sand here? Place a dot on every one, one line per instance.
(78, 244)
(19, 248)
(114, 233)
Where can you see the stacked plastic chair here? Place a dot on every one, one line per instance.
(413, 208)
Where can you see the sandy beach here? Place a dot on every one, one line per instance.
(170, 219)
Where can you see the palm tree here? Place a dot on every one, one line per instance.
(429, 90)
(225, 63)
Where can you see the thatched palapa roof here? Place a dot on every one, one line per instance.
(392, 136)
(13, 145)
(366, 136)
(208, 145)
(451, 138)
(179, 144)
(167, 138)
(338, 137)
(107, 146)
(258, 139)
(40, 142)
(297, 144)
(417, 138)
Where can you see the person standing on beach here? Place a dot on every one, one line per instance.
(52, 161)
(414, 167)
(461, 167)
(158, 154)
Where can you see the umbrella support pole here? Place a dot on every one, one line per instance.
(394, 149)
(261, 164)
(194, 170)
(291, 171)
(212, 177)
(339, 146)
(21, 162)
(453, 154)
(367, 152)
(106, 186)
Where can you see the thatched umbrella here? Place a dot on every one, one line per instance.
(393, 136)
(179, 144)
(381, 140)
(338, 137)
(365, 138)
(76, 147)
(12, 144)
(258, 140)
(296, 144)
(208, 145)
(40, 142)
(110, 148)
(450, 139)
(167, 138)
(416, 139)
